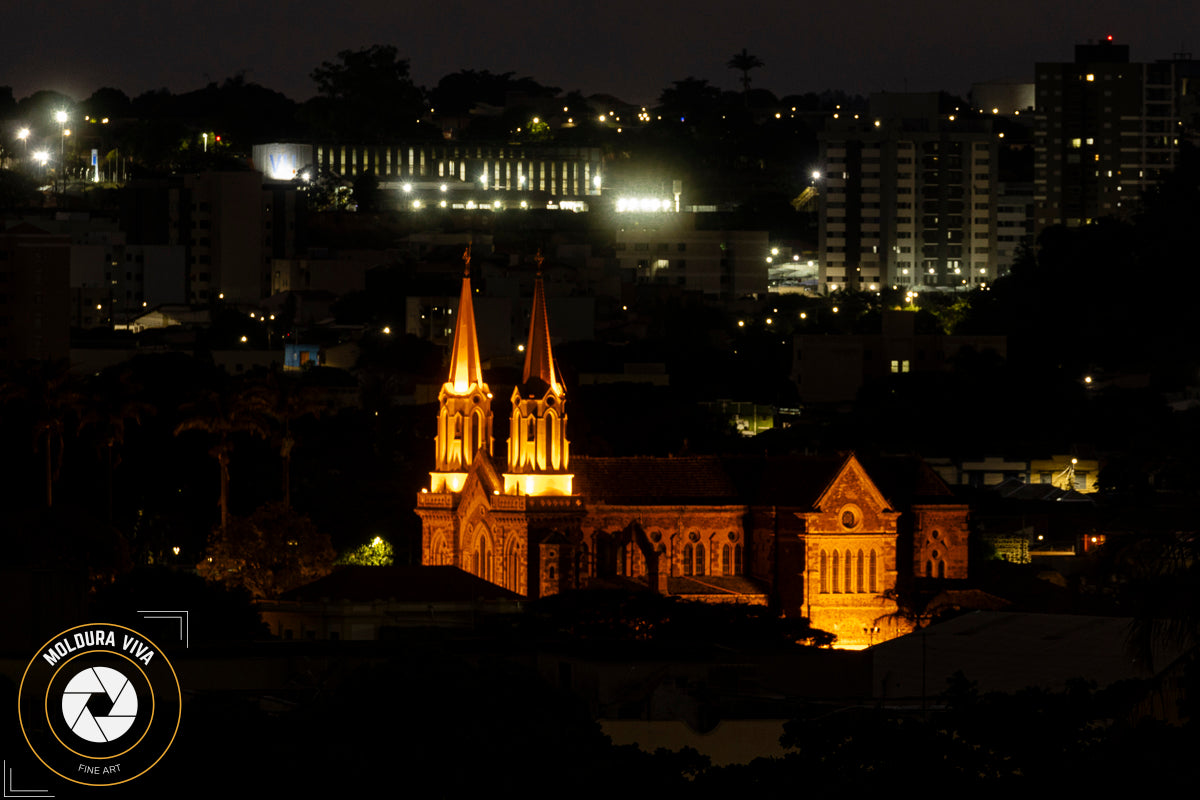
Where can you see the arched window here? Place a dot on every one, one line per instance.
(483, 557)
(688, 555)
(860, 571)
(726, 558)
(835, 571)
(849, 573)
(941, 569)
(700, 567)
(871, 576)
(622, 559)
(512, 569)
(928, 569)
(548, 442)
(824, 573)
(480, 433)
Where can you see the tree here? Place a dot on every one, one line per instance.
(109, 407)
(47, 394)
(366, 95)
(107, 102)
(376, 553)
(689, 96)
(271, 551)
(286, 401)
(743, 62)
(222, 414)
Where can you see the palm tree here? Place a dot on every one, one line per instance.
(46, 391)
(222, 414)
(743, 62)
(109, 408)
(286, 401)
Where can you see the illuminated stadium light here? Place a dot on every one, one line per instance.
(643, 204)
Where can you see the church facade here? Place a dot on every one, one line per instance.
(830, 538)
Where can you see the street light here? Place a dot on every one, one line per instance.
(23, 135)
(61, 118)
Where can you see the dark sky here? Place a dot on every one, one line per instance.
(630, 48)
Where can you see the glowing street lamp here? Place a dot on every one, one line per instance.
(61, 118)
(23, 135)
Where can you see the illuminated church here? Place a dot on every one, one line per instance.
(829, 538)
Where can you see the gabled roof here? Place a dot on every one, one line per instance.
(653, 481)
(787, 481)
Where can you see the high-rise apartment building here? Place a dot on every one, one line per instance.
(908, 197)
(231, 224)
(1106, 130)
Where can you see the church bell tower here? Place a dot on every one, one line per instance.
(465, 414)
(538, 450)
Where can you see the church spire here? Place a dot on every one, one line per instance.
(465, 369)
(538, 450)
(539, 360)
(465, 416)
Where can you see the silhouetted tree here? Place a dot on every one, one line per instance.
(366, 95)
(743, 62)
(45, 394)
(222, 414)
(112, 403)
(271, 551)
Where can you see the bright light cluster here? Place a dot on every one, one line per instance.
(644, 204)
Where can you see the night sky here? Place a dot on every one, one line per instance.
(630, 48)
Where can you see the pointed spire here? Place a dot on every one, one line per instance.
(539, 360)
(465, 367)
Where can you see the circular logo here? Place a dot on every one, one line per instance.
(99, 704)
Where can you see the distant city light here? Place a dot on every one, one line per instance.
(643, 204)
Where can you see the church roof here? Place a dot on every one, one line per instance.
(790, 481)
(653, 481)
(466, 369)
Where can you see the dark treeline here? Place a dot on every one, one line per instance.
(365, 96)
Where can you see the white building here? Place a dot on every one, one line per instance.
(908, 197)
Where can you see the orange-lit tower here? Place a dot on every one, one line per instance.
(465, 416)
(538, 450)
